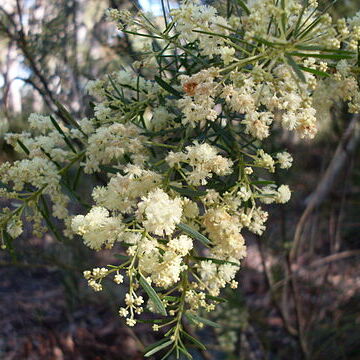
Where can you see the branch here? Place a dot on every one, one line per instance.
(19, 37)
(344, 151)
(317, 263)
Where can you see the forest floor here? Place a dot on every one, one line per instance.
(41, 319)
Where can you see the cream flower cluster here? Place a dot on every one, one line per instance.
(178, 146)
(98, 228)
(204, 161)
(158, 213)
(111, 143)
(193, 16)
(123, 191)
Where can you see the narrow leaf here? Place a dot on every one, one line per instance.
(77, 178)
(314, 71)
(321, 48)
(185, 352)
(166, 356)
(121, 257)
(216, 298)
(164, 13)
(215, 34)
(215, 261)
(169, 27)
(295, 67)
(317, 20)
(195, 341)
(22, 145)
(162, 344)
(243, 6)
(300, 17)
(50, 158)
(283, 16)
(115, 87)
(152, 295)
(140, 34)
(189, 192)
(167, 87)
(109, 169)
(321, 56)
(67, 116)
(267, 42)
(61, 132)
(45, 214)
(195, 318)
(194, 234)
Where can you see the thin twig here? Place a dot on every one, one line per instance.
(299, 313)
(269, 283)
(317, 263)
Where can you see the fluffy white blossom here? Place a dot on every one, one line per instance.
(159, 213)
(14, 228)
(97, 228)
(122, 191)
(181, 245)
(283, 194)
(224, 231)
(265, 160)
(284, 159)
(204, 160)
(161, 118)
(111, 143)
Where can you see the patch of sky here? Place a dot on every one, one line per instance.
(155, 6)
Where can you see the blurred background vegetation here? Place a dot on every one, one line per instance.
(288, 306)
